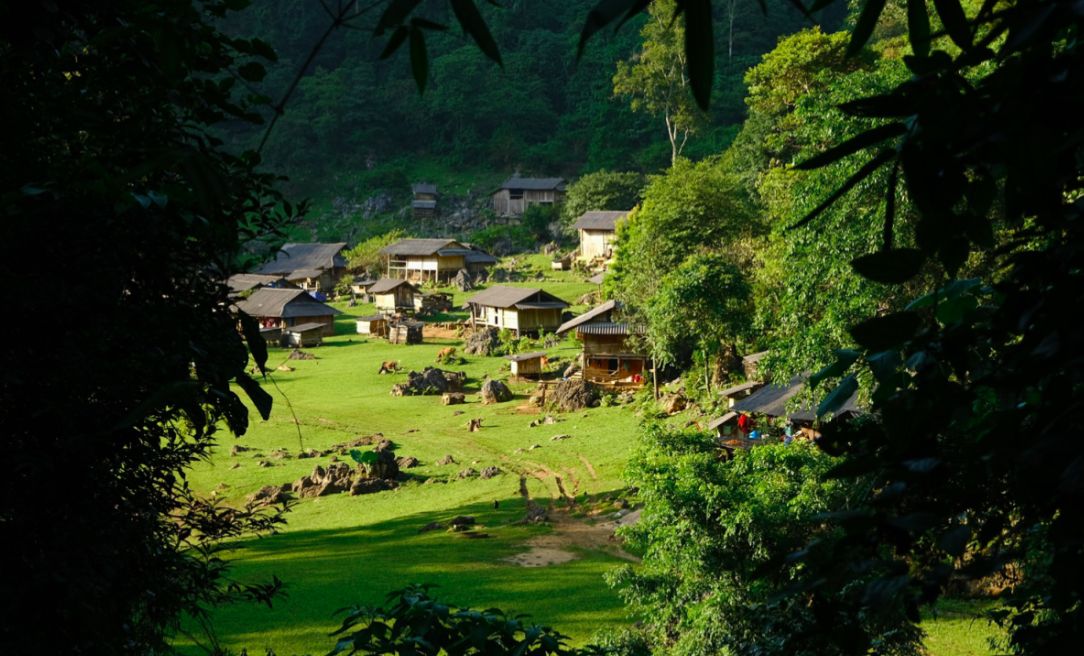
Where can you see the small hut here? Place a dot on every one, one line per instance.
(393, 296)
(314, 267)
(527, 365)
(598, 231)
(424, 204)
(376, 325)
(517, 194)
(406, 332)
(609, 358)
(521, 309)
(303, 335)
(286, 308)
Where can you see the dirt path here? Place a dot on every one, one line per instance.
(569, 535)
(590, 468)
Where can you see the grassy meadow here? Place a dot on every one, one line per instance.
(339, 550)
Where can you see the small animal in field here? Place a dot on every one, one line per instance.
(389, 367)
(445, 354)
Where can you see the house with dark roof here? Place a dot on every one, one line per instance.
(313, 267)
(522, 310)
(393, 296)
(245, 282)
(433, 259)
(610, 357)
(598, 231)
(516, 194)
(286, 308)
(424, 204)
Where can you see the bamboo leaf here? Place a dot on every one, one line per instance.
(419, 59)
(918, 27)
(890, 267)
(473, 24)
(700, 49)
(863, 28)
(853, 145)
(604, 13)
(955, 22)
(396, 40)
(888, 331)
(261, 399)
(838, 396)
(862, 173)
(395, 14)
(257, 345)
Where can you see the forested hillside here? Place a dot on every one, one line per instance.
(357, 124)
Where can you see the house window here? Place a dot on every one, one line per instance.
(515, 194)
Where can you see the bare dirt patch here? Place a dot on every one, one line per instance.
(439, 332)
(569, 537)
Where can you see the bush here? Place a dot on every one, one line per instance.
(504, 240)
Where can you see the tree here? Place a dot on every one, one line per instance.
(655, 79)
(109, 174)
(705, 303)
(715, 535)
(688, 208)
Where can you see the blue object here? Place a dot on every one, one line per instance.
(755, 435)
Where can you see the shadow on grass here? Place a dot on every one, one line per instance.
(326, 570)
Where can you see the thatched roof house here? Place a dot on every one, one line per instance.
(312, 266)
(597, 231)
(516, 194)
(285, 308)
(433, 259)
(393, 296)
(520, 309)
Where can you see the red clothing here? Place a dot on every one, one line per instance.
(745, 424)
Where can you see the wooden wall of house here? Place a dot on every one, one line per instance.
(595, 243)
(548, 319)
(532, 367)
(605, 345)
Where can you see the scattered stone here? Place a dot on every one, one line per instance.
(279, 454)
(285, 368)
(264, 463)
(309, 453)
(447, 460)
(474, 425)
(370, 485)
(562, 436)
(430, 381)
(490, 472)
(494, 391)
(268, 495)
(461, 520)
(549, 420)
(237, 448)
(534, 446)
(384, 445)
(481, 341)
(433, 480)
(469, 472)
(459, 412)
(673, 403)
(453, 398)
(407, 462)
(431, 526)
(520, 450)
(573, 395)
(298, 354)
(235, 465)
(335, 459)
(463, 281)
(536, 514)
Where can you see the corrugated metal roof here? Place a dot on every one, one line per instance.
(741, 388)
(771, 400)
(385, 285)
(477, 256)
(541, 305)
(520, 357)
(304, 274)
(534, 184)
(284, 303)
(506, 297)
(304, 328)
(606, 328)
(420, 247)
(373, 317)
(423, 188)
(594, 313)
(600, 220)
(719, 421)
(294, 257)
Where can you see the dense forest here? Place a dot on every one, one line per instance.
(357, 124)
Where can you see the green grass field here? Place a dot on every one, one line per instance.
(340, 550)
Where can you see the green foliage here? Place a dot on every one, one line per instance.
(504, 239)
(688, 208)
(541, 221)
(702, 304)
(415, 623)
(601, 190)
(108, 173)
(716, 533)
(365, 257)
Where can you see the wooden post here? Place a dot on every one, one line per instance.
(655, 378)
